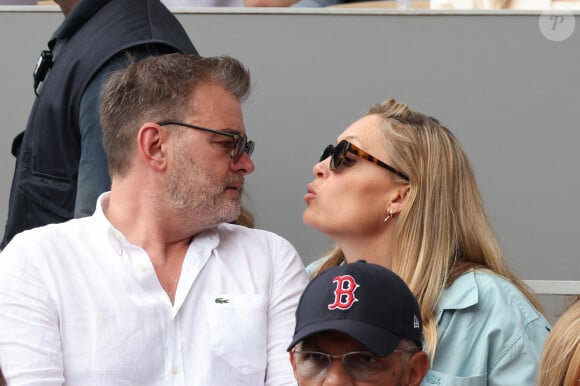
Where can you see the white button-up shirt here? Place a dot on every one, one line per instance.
(79, 305)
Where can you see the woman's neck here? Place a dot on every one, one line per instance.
(375, 250)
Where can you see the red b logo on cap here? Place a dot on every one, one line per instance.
(344, 293)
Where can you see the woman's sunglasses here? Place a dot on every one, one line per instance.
(337, 156)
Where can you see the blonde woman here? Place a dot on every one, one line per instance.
(560, 363)
(398, 190)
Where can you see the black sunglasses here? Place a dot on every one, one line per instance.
(337, 156)
(241, 143)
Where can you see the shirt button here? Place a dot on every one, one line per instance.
(174, 370)
(141, 267)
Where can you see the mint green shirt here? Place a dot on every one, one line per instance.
(489, 334)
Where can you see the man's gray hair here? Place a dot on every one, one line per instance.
(158, 88)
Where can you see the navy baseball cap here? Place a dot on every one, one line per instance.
(365, 301)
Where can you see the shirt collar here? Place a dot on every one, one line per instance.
(461, 294)
(115, 237)
(79, 15)
(205, 241)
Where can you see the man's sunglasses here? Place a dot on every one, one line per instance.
(241, 143)
(337, 156)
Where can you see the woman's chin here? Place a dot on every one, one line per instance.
(309, 219)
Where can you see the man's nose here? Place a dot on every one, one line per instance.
(337, 375)
(245, 165)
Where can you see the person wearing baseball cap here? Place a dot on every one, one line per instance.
(358, 324)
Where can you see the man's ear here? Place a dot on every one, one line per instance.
(417, 367)
(293, 363)
(152, 145)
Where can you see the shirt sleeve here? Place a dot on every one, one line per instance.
(30, 350)
(93, 174)
(290, 281)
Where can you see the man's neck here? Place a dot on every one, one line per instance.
(138, 217)
(144, 223)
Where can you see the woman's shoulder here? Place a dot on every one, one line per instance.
(314, 265)
(488, 317)
(497, 291)
(488, 292)
(491, 299)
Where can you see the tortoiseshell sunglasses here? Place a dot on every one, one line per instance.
(337, 156)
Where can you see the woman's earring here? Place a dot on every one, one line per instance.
(388, 216)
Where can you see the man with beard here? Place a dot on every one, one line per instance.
(157, 287)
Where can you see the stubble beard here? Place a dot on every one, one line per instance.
(198, 194)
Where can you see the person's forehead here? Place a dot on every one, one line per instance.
(211, 105)
(331, 340)
(365, 133)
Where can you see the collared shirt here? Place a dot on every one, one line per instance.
(489, 334)
(80, 305)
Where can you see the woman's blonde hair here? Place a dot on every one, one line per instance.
(443, 230)
(560, 362)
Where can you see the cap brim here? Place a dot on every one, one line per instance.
(377, 340)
